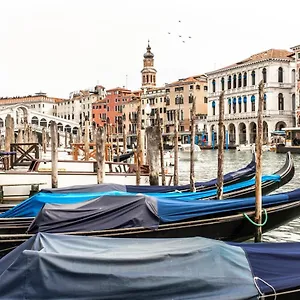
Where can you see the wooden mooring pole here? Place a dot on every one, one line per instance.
(100, 153)
(153, 139)
(86, 140)
(8, 140)
(139, 145)
(44, 140)
(192, 156)
(54, 154)
(161, 149)
(176, 180)
(124, 137)
(220, 180)
(259, 142)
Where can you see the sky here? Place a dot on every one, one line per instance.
(60, 46)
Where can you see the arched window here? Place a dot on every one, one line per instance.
(229, 106)
(252, 103)
(229, 82)
(234, 81)
(264, 74)
(234, 105)
(253, 77)
(245, 79)
(222, 84)
(213, 107)
(280, 102)
(240, 104)
(239, 80)
(245, 103)
(153, 78)
(214, 86)
(280, 74)
(293, 76)
(147, 80)
(265, 102)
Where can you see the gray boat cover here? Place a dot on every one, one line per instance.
(49, 267)
(105, 212)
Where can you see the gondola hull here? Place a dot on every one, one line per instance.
(234, 227)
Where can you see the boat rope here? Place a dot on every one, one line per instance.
(256, 224)
(262, 296)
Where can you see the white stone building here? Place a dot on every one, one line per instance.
(240, 84)
(79, 106)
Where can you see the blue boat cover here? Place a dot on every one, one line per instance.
(52, 267)
(31, 206)
(119, 211)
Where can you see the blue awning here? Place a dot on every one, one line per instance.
(229, 101)
(252, 98)
(240, 100)
(234, 100)
(213, 104)
(265, 96)
(245, 99)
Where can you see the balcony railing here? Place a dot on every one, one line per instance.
(249, 115)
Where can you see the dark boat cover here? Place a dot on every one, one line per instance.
(31, 206)
(49, 266)
(106, 212)
(120, 211)
(69, 267)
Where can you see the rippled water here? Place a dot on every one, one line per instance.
(207, 167)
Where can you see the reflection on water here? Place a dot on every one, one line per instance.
(206, 168)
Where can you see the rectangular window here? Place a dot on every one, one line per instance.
(205, 99)
(245, 106)
(205, 88)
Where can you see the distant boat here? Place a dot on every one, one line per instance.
(251, 147)
(184, 152)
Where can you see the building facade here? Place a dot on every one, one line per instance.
(240, 85)
(79, 106)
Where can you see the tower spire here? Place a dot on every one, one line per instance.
(148, 72)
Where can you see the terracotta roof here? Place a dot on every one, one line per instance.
(191, 79)
(265, 55)
(118, 89)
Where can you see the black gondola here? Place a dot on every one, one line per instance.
(222, 225)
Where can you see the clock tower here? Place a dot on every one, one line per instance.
(148, 72)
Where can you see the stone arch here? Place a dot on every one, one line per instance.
(43, 122)
(232, 134)
(21, 115)
(1, 122)
(35, 120)
(75, 130)
(252, 130)
(265, 132)
(60, 127)
(280, 125)
(243, 133)
(68, 128)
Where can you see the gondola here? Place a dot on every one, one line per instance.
(224, 219)
(115, 268)
(123, 157)
(31, 206)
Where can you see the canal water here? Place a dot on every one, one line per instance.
(206, 168)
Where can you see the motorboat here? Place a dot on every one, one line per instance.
(184, 152)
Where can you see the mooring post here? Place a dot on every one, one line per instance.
(54, 154)
(66, 139)
(176, 180)
(192, 154)
(153, 140)
(124, 137)
(220, 180)
(44, 140)
(117, 141)
(139, 144)
(161, 149)
(86, 140)
(100, 153)
(259, 142)
(8, 137)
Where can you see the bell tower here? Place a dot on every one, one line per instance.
(148, 72)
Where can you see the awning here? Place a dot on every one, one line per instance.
(234, 100)
(213, 104)
(240, 100)
(252, 98)
(229, 101)
(245, 99)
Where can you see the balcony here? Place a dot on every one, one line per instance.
(252, 115)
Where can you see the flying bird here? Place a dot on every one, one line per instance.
(179, 21)
(190, 37)
(180, 36)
